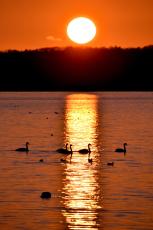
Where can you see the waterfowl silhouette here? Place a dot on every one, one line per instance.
(23, 149)
(62, 150)
(46, 195)
(110, 163)
(85, 151)
(121, 150)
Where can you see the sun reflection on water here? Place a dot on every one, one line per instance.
(81, 193)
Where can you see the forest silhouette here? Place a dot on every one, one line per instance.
(77, 69)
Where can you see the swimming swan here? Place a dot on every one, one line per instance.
(23, 149)
(63, 150)
(121, 150)
(85, 151)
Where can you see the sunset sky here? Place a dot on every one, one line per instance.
(30, 24)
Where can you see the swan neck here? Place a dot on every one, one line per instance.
(71, 149)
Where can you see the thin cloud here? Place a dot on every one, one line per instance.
(52, 38)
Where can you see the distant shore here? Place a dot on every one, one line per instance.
(77, 69)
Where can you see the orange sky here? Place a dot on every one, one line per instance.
(30, 24)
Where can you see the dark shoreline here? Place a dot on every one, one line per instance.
(77, 69)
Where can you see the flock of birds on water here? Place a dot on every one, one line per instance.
(65, 151)
(68, 152)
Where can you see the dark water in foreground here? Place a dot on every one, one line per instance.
(84, 196)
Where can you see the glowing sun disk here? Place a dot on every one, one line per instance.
(81, 30)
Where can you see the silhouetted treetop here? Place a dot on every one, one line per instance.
(77, 69)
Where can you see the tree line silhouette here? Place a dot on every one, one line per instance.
(79, 69)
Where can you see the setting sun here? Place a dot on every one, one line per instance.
(81, 30)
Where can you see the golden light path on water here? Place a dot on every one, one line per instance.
(81, 191)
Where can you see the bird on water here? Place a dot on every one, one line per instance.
(23, 149)
(110, 163)
(46, 195)
(123, 150)
(62, 150)
(85, 151)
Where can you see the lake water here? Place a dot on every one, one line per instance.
(84, 195)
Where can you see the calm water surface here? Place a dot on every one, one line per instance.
(84, 195)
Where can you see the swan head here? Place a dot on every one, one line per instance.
(89, 144)
(27, 143)
(125, 144)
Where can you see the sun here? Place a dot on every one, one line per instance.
(81, 30)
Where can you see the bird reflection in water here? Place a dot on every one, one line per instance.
(80, 193)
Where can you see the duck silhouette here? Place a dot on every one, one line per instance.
(110, 163)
